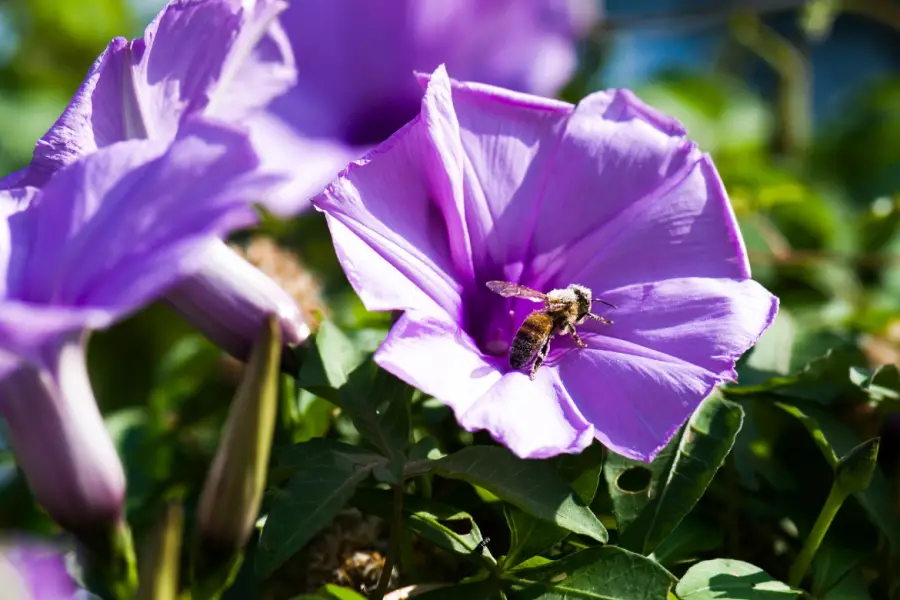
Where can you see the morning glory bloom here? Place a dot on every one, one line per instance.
(34, 571)
(224, 59)
(108, 234)
(488, 184)
(355, 61)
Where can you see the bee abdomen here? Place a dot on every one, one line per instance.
(528, 340)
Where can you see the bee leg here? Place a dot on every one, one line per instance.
(571, 330)
(603, 320)
(539, 360)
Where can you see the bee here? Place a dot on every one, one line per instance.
(563, 310)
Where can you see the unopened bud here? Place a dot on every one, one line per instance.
(234, 486)
(161, 556)
(854, 470)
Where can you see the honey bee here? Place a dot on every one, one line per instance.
(563, 310)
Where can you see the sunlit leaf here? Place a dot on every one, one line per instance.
(531, 485)
(602, 573)
(727, 579)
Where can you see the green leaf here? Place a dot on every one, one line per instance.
(771, 356)
(835, 439)
(602, 573)
(335, 592)
(882, 384)
(695, 535)
(728, 579)
(327, 476)
(679, 475)
(530, 535)
(442, 525)
(379, 405)
(328, 361)
(478, 590)
(532, 485)
(825, 379)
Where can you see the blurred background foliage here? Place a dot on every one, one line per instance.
(798, 103)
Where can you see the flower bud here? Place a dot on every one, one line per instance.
(61, 443)
(161, 556)
(233, 488)
(854, 470)
(228, 300)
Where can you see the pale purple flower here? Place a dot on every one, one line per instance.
(31, 570)
(355, 60)
(224, 59)
(109, 233)
(487, 184)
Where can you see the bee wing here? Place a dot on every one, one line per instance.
(514, 290)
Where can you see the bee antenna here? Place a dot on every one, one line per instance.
(604, 302)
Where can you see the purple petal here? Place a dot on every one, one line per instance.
(228, 300)
(26, 328)
(61, 442)
(533, 418)
(119, 226)
(37, 570)
(636, 398)
(615, 152)
(671, 342)
(686, 228)
(221, 53)
(494, 148)
(709, 323)
(224, 58)
(307, 164)
(395, 259)
(356, 56)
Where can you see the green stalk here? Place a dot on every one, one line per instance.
(801, 564)
(393, 544)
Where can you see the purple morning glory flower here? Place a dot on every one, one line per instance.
(109, 233)
(30, 570)
(224, 59)
(355, 62)
(487, 184)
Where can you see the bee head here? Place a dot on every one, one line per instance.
(583, 297)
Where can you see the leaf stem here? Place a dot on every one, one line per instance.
(393, 544)
(801, 564)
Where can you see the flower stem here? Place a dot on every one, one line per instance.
(801, 564)
(393, 545)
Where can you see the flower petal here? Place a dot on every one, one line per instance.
(116, 228)
(25, 329)
(39, 567)
(706, 322)
(635, 398)
(390, 235)
(615, 151)
(221, 57)
(61, 442)
(533, 418)
(685, 229)
(494, 148)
